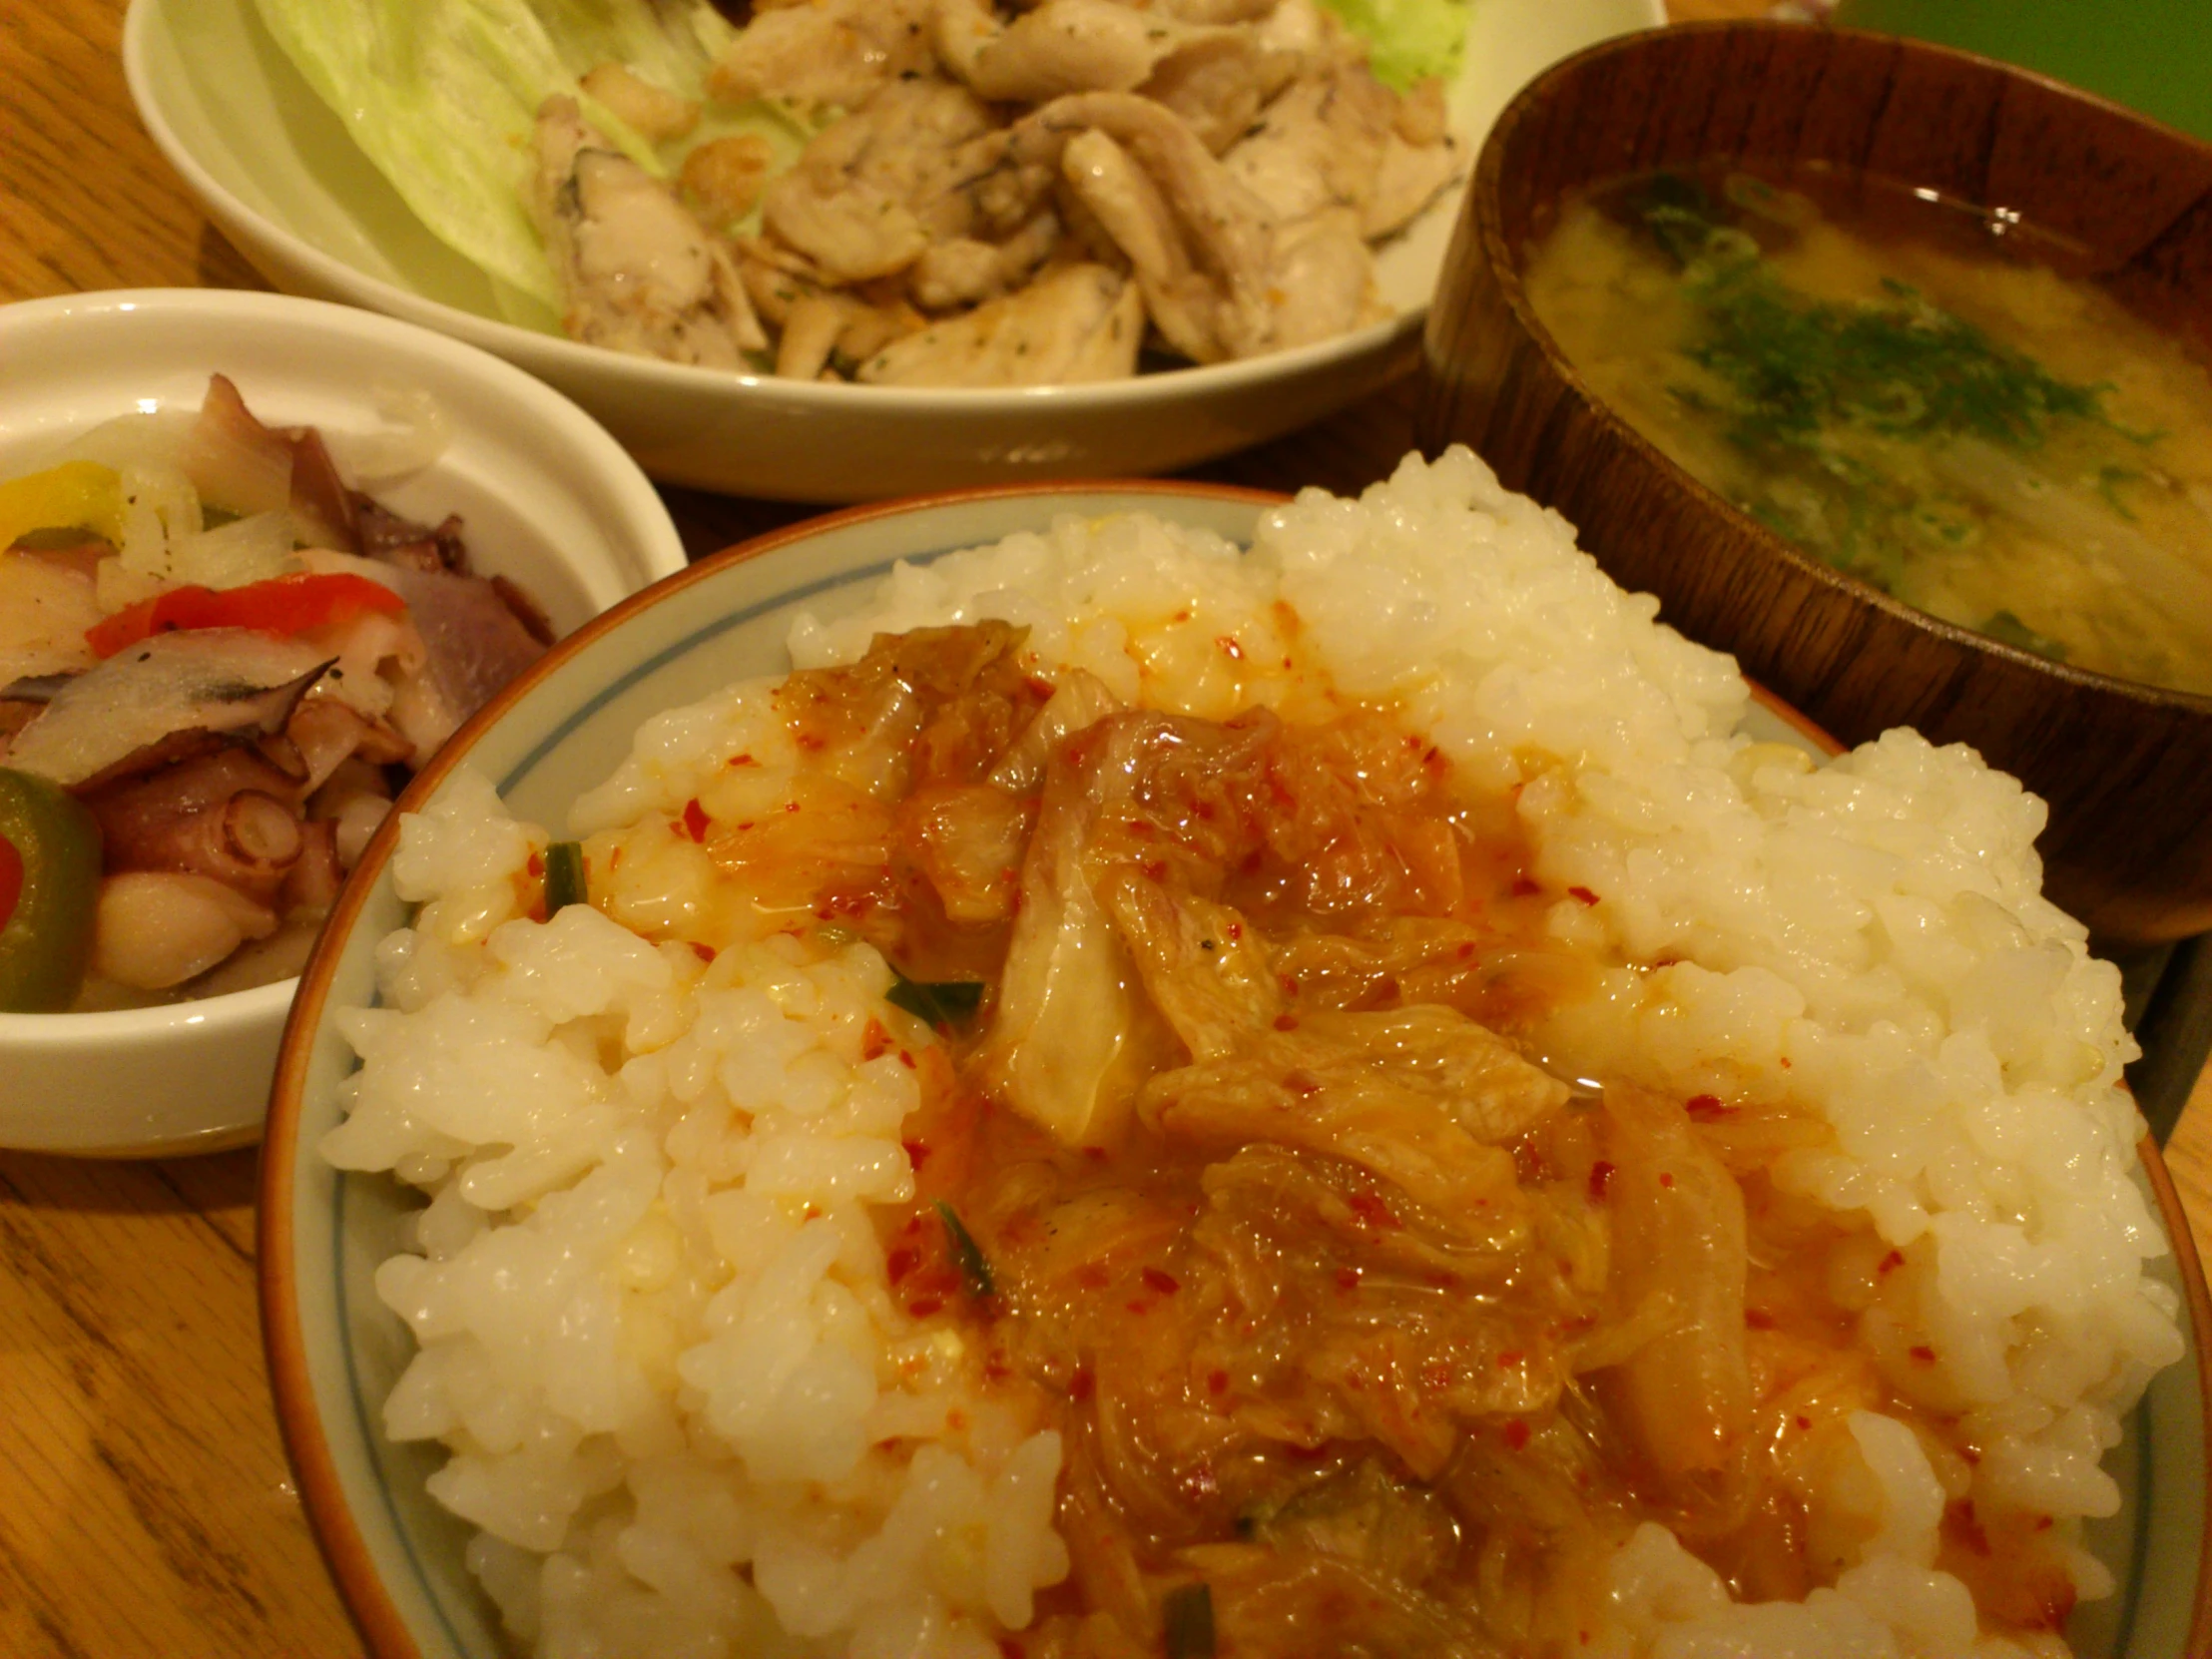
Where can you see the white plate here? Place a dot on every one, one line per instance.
(278, 171)
(545, 497)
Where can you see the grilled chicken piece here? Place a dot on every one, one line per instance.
(1224, 274)
(1076, 324)
(967, 272)
(824, 53)
(1219, 81)
(1407, 180)
(1063, 46)
(1342, 140)
(873, 191)
(639, 272)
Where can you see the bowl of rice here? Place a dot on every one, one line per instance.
(1147, 1068)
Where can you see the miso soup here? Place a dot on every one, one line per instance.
(1963, 426)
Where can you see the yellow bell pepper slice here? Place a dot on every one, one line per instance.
(76, 495)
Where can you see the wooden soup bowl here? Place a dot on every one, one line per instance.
(2126, 768)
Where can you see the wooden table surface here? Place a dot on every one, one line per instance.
(145, 1503)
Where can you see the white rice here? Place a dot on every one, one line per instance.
(655, 1325)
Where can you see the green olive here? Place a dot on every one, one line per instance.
(53, 856)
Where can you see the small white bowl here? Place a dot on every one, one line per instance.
(336, 1351)
(547, 499)
(277, 170)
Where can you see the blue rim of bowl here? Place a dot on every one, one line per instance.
(346, 1552)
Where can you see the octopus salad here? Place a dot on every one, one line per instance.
(217, 662)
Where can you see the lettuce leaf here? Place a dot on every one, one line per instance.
(442, 95)
(1408, 40)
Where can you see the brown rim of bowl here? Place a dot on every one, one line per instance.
(1483, 189)
(343, 1550)
(321, 1495)
(2190, 1268)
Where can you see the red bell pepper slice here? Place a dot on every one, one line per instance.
(11, 880)
(282, 605)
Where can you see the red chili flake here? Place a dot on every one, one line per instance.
(810, 741)
(741, 760)
(914, 1226)
(1230, 647)
(1515, 1434)
(1467, 950)
(536, 866)
(1155, 1280)
(1922, 1354)
(1217, 1381)
(1096, 1154)
(1371, 1210)
(614, 858)
(695, 819)
(1300, 1083)
(1348, 1279)
(1583, 893)
(922, 1307)
(1203, 810)
(705, 953)
(1236, 931)
(900, 1262)
(1008, 1648)
(1707, 1108)
(1969, 1527)
(1971, 1456)
(1757, 1319)
(790, 806)
(1092, 1277)
(1600, 1173)
(1285, 1022)
(995, 1368)
(1889, 1263)
(1523, 886)
(2042, 1523)
(874, 1040)
(1666, 1178)
(1182, 616)
(1138, 1305)
(916, 1153)
(1803, 1421)
(1156, 870)
(1509, 1359)
(1138, 827)
(907, 1059)
(955, 1420)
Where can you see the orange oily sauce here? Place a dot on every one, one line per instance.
(1342, 1308)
